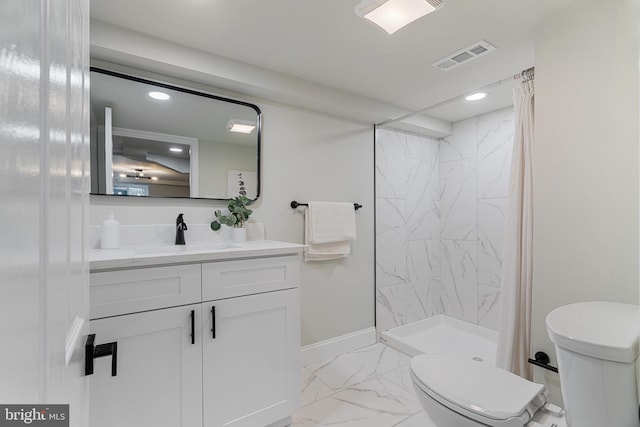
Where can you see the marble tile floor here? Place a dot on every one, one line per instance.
(369, 387)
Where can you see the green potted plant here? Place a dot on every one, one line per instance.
(238, 214)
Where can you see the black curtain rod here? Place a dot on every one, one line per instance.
(295, 204)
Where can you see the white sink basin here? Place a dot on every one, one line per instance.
(195, 247)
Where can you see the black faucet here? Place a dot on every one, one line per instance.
(180, 227)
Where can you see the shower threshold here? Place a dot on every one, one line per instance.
(443, 335)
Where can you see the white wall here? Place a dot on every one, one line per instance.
(305, 156)
(585, 159)
(215, 159)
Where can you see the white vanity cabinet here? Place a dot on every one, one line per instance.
(252, 341)
(231, 358)
(246, 377)
(159, 371)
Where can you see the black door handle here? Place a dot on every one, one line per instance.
(92, 351)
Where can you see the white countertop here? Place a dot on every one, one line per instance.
(142, 256)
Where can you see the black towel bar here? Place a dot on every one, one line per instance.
(295, 204)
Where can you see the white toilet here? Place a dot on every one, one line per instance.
(597, 346)
(597, 350)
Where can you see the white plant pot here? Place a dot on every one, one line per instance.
(238, 234)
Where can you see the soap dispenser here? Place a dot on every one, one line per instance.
(110, 237)
(180, 229)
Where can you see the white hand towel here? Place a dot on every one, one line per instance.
(331, 222)
(339, 236)
(327, 251)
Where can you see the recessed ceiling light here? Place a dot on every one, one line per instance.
(242, 126)
(160, 96)
(391, 15)
(154, 178)
(175, 149)
(123, 175)
(475, 96)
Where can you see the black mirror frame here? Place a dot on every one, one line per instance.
(205, 95)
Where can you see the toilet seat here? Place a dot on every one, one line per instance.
(478, 390)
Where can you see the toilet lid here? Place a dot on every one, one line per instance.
(600, 329)
(478, 388)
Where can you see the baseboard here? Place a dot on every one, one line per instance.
(333, 347)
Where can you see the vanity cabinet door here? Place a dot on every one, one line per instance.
(251, 368)
(159, 370)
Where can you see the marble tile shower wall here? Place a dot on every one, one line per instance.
(407, 227)
(440, 213)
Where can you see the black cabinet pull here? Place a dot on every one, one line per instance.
(193, 326)
(92, 351)
(213, 322)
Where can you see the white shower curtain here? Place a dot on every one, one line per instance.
(517, 256)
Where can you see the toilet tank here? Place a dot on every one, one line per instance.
(597, 350)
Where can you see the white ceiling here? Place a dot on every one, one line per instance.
(459, 108)
(325, 43)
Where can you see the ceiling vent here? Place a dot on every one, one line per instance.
(465, 55)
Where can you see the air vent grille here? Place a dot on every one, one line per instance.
(447, 64)
(461, 57)
(472, 52)
(435, 3)
(478, 50)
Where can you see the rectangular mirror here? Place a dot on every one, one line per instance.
(157, 140)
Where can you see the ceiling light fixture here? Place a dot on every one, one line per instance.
(242, 126)
(475, 96)
(391, 15)
(175, 149)
(160, 96)
(139, 175)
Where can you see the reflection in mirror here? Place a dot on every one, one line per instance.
(158, 140)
